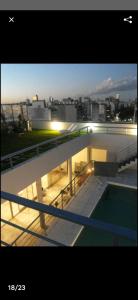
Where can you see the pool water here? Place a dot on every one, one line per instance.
(118, 205)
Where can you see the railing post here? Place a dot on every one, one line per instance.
(40, 199)
(70, 174)
(37, 150)
(62, 200)
(11, 162)
(11, 209)
(74, 187)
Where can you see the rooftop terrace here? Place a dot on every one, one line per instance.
(85, 201)
(13, 142)
(32, 144)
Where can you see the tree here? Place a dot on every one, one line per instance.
(3, 118)
(126, 113)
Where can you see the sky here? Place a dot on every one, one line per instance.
(23, 81)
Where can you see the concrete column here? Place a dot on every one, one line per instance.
(40, 199)
(70, 174)
(91, 157)
(88, 154)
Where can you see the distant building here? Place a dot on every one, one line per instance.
(28, 101)
(51, 99)
(135, 112)
(68, 100)
(39, 110)
(108, 113)
(102, 112)
(11, 111)
(95, 111)
(64, 112)
(82, 112)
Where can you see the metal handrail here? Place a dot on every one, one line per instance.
(127, 147)
(26, 228)
(34, 221)
(113, 130)
(5, 244)
(72, 217)
(117, 127)
(41, 144)
(32, 233)
(126, 152)
(69, 183)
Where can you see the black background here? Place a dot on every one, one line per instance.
(68, 37)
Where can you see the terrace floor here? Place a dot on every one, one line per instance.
(24, 219)
(54, 190)
(28, 215)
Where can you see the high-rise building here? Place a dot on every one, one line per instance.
(64, 112)
(39, 110)
(108, 113)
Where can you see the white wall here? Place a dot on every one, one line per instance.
(70, 113)
(77, 158)
(130, 129)
(113, 143)
(44, 124)
(24, 174)
(39, 112)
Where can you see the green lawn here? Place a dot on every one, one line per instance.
(14, 142)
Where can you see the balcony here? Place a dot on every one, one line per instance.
(115, 231)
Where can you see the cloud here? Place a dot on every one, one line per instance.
(109, 85)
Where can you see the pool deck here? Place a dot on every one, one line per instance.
(84, 204)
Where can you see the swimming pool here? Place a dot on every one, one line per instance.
(118, 205)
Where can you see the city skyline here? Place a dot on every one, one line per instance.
(22, 81)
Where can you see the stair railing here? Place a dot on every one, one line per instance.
(126, 152)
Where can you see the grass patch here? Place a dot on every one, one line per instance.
(14, 142)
